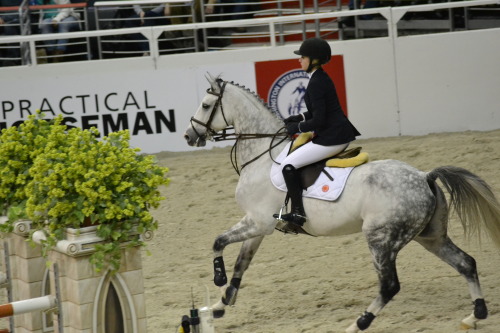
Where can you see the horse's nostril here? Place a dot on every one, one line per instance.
(186, 137)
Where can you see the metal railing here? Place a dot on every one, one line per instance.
(121, 14)
(392, 18)
(25, 25)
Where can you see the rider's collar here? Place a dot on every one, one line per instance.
(311, 73)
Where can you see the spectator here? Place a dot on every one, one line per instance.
(182, 14)
(9, 26)
(147, 16)
(57, 20)
(237, 9)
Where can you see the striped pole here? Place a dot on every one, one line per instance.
(28, 305)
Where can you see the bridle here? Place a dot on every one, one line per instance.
(224, 135)
(207, 125)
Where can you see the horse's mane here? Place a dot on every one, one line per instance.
(253, 94)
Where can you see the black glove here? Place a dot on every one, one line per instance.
(292, 128)
(293, 119)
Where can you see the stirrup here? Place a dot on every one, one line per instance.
(282, 225)
(285, 226)
(294, 218)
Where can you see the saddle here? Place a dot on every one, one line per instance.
(347, 158)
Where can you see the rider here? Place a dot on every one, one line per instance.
(333, 131)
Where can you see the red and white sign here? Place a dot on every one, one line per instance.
(281, 83)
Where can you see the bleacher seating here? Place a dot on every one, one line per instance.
(104, 15)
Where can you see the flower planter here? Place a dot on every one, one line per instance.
(81, 241)
(93, 297)
(26, 273)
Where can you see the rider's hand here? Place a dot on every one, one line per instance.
(292, 128)
(293, 119)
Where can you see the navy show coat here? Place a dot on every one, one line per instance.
(324, 114)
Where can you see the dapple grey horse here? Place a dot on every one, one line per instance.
(391, 202)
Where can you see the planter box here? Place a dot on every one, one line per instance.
(28, 274)
(90, 302)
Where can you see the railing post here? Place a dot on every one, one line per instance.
(86, 22)
(97, 26)
(272, 34)
(32, 47)
(280, 13)
(316, 21)
(304, 26)
(203, 19)
(25, 29)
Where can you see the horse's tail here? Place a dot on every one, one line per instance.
(472, 199)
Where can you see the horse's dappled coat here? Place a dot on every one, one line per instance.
(391, 202)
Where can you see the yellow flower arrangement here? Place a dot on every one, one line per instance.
(19, 146)
(78, 178)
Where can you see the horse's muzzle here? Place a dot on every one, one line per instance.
(195, 140)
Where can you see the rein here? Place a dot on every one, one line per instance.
(272, 145)
(224, 135)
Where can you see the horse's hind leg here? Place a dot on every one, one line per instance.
(385, 265)
(384, 242)
(434, 239)
(463, 263)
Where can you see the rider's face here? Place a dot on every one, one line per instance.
(304, 62)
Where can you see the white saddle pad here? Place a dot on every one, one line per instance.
(323, 188)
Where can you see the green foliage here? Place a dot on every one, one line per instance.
(63, 178)
(78, 178)
(19, 146)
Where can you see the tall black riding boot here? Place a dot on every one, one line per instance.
(294, 185)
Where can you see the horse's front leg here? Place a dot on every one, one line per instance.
(251, 234)
(229, 292)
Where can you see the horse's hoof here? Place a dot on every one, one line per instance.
(466, 327)
(468, 323)
(352, 329)
(219, 313)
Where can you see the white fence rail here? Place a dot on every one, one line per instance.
(28, 305)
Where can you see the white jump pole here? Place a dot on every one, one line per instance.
(28, 305)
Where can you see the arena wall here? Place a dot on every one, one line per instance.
(411, 85)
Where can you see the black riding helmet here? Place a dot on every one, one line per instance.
(315, 48)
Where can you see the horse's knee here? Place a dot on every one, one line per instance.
(467, 267)
(220, 243)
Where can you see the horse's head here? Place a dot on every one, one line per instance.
(207, 121)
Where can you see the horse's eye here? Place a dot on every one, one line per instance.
(205, 106)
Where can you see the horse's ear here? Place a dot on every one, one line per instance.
(214, 84)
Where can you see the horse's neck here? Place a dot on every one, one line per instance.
(251, 116)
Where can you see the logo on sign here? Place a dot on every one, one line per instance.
(286, 95)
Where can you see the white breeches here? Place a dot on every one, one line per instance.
(310, 153)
